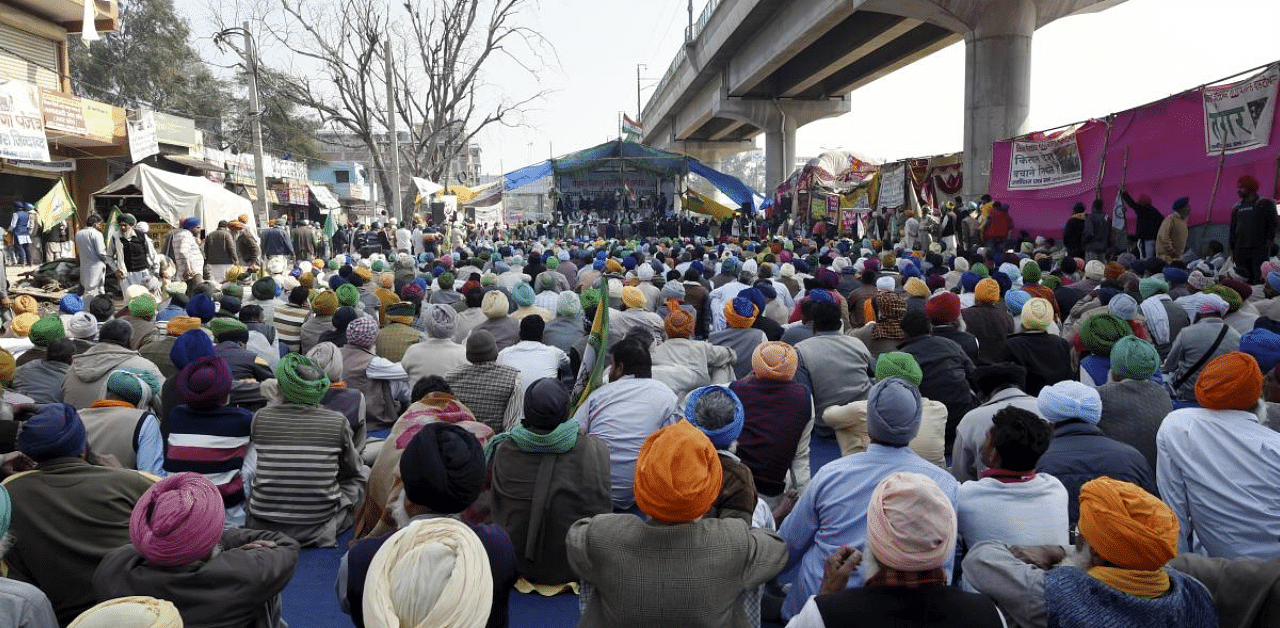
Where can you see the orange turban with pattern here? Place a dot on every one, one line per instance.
(179, 325)
(22, 323)
(678, 474)
(679, 323)
(25, 304)
(1127, 525)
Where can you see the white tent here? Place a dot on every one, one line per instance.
(175, 196)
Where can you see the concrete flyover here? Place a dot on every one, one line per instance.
(771, 66)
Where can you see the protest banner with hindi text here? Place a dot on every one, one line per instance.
(1237, 117)
(1038, 163)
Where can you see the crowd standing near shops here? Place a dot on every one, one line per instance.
(1032, 433)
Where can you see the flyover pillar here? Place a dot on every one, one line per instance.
(997, 99)
(779, 119)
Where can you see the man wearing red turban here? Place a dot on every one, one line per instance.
(1253, 228)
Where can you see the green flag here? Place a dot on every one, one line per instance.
(329, 228)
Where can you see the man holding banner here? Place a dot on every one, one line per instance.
(1253, 230)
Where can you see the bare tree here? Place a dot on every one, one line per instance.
(440, 52)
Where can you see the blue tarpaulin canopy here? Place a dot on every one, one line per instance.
(635, 157)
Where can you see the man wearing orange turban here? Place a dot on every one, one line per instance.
(1219, 466)
(779, 420)
(627, 561)
(1117, 575)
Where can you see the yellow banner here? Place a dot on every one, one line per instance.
(56, 206)
(701, 204)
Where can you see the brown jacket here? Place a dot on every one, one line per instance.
(1171, 241)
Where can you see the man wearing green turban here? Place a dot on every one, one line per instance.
(141, 317)
(43, 332)
(306, 456)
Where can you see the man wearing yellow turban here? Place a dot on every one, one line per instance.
(1117, 574)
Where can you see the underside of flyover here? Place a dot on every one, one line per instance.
(854, 52)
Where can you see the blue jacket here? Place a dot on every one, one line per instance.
(1080, 452)
(275, 242)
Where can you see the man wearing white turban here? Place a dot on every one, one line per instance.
(137, 611)
(435, 572)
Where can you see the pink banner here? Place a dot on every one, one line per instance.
(1165, 143)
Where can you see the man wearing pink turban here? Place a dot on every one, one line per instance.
(911, 533)
(181, 553)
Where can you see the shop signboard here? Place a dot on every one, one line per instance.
(22, 122)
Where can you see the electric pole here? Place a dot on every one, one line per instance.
(255, 116)
(638, 66)
(394, 204)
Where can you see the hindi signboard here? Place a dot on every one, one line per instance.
(22, 122)
(1044, 162)
(143, 141)
(893, 185)
(1237, 117)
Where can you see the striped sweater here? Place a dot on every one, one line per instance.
(288, 320)
(305, 454)
(212, 443)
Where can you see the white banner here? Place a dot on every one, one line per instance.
(22, 122)
(1237, 117)
(893, 185)
(1044, 163)
(143, 141)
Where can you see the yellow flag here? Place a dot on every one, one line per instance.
(56, 206)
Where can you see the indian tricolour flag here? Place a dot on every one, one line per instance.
(631, 127)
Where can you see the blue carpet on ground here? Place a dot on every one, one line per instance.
(310, 600)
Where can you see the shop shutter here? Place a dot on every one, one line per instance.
(29, 58)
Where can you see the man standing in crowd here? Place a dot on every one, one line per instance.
(275, 243)
(1149, 221)
(92, 252)
(1171, 240)
(1253, 230)
(135, 257)
(220, 251)
(248, 251)
(188, 257)
(20, 226)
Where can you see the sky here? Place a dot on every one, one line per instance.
(1083, 66)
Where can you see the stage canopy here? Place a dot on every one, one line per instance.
(634, 158)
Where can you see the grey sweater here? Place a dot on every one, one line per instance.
(1190, 345)
(1132, 413)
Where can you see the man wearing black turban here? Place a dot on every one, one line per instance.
(443, 471)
